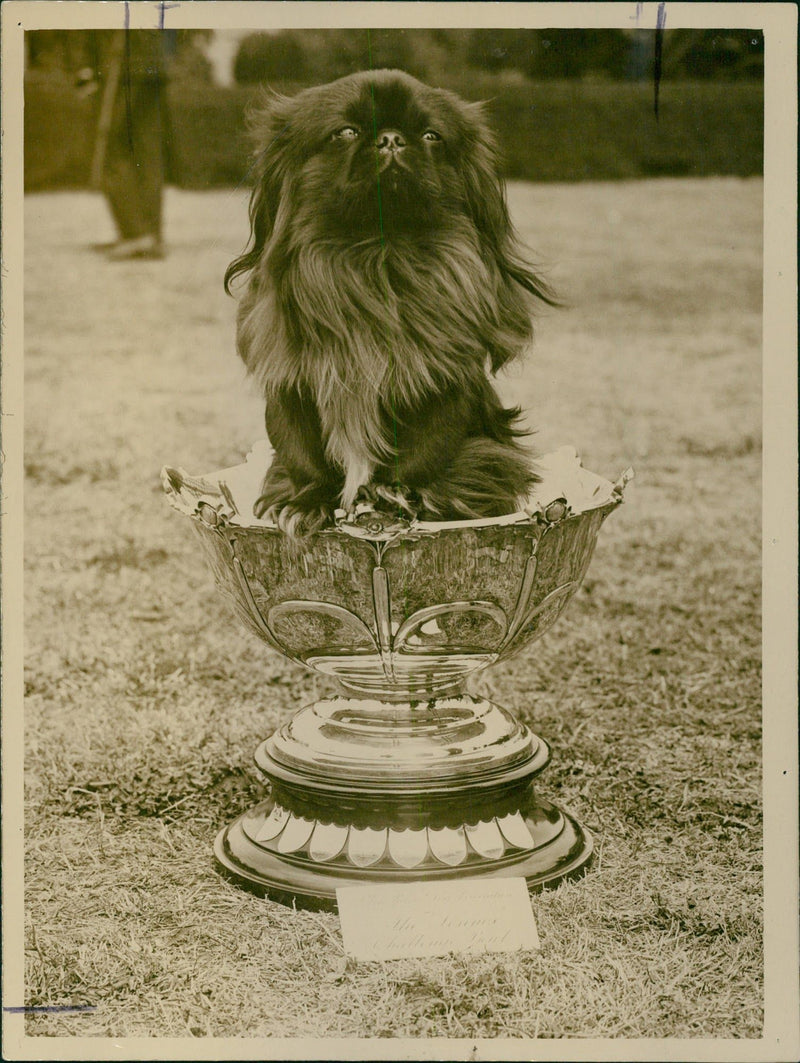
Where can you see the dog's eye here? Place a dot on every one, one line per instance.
(348, 132)
(431, 135)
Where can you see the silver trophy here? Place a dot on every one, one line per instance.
(400, 775)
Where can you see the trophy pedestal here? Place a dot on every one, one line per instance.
(364, 791)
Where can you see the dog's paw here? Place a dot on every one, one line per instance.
(295, 519)
(298, 522)
(297, 512)
(365, 496)
(397, 498)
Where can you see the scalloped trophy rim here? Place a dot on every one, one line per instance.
(213, 488)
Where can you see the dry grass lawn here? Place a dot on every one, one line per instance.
(145, 700)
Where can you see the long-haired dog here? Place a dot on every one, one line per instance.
(384, 284)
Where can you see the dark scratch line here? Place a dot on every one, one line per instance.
(661, 19)
(385, 270)
(163, 7)
(48, 1009)
(128, 104)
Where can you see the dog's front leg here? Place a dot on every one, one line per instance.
(427, 438)
(301, 488)
(457, 457)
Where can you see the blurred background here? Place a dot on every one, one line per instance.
(567, 104)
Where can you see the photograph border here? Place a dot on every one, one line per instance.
(781, 1036)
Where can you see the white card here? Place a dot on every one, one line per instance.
(433, 918)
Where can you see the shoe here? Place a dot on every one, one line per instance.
(140, 247)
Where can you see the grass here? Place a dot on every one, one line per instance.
(145, 700)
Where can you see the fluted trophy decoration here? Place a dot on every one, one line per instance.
(401, 775)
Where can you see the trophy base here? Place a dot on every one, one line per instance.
(557, 848)
(365, 791)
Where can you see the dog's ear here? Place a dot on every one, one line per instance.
(268, 124)
(484, 192)
(485, 198)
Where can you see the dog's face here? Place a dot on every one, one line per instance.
(378, 209)
(377, 153)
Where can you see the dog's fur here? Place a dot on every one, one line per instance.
(384, 280)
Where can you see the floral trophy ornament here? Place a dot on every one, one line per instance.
(402, 775)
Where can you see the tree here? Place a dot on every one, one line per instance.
(574, 53)
(502, 49)
(270, 57)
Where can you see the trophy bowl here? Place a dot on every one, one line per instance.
(400, 775)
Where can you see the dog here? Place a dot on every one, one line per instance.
(384, 286)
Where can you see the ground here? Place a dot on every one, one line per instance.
(145, 700)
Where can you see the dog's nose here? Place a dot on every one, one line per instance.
(390, 140)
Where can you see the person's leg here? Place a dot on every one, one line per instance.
(120, 186)
(149, 154)
(133, 172)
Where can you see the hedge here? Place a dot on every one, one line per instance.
(549, 131)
